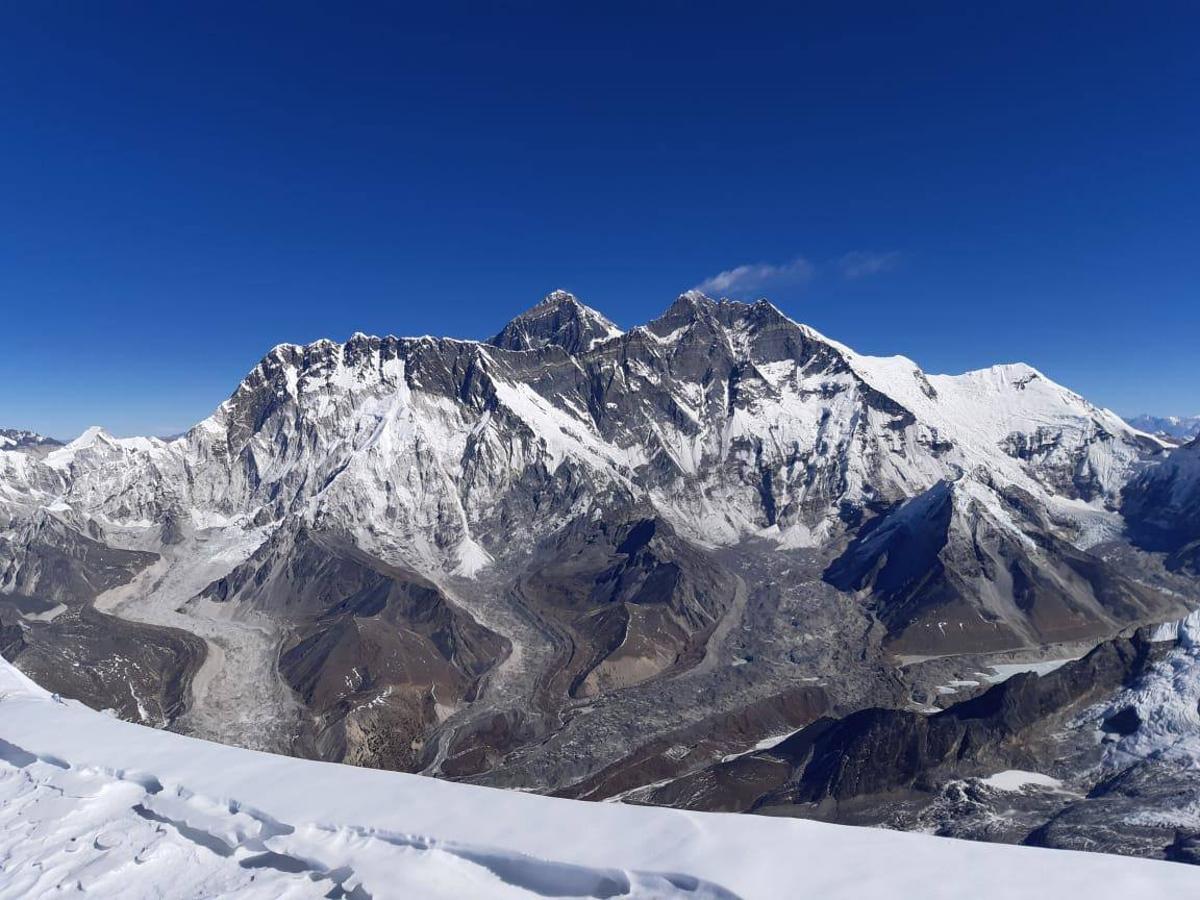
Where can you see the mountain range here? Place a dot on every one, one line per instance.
(599, 563)
(1173, 428)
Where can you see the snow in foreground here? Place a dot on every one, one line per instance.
(94, 805)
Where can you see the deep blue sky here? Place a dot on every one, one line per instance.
(179, 191)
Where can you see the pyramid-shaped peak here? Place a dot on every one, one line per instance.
(695, 306)
(558, 297)
(90, 436)
(559, 320)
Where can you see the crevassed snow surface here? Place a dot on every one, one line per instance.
(1167, 700)
(93, 805)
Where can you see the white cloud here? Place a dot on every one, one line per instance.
(746, 279)
(863, 263)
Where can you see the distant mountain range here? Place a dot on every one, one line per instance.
(18, 439)
(586, 561)
(1178, 428)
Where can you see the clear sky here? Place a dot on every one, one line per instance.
(181, 190)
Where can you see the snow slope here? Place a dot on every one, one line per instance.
(94, 805)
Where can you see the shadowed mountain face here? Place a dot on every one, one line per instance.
(946, 575)
(633, 601)
(573, 555)
(1098, 754)
(377, 654)
(558, 321)
(1162, 508)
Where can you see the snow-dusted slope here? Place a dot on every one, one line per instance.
(1162, 507)
(559, 320)
(1167, 701)
(96, 806)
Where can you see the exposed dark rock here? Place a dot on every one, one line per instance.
(142, 671)
(633, 600)
(374, 650)
(877, 750)
(50, 560)
(559, 321)
(945, 576)
(1162, 508)
(1185, 848)
(1122, 722)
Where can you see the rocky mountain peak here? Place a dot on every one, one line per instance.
(558, 320)
(22, 439)
(92, 435)
(693, 307)
(689, 308)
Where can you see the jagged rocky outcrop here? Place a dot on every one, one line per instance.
(876, 751)
(1098, 754)
(559, 320)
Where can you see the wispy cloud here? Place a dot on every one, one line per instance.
(743, 280)
(864, 263)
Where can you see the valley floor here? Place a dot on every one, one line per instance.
(93, 805)
(237, 695)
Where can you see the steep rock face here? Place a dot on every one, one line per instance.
(633, 600)
(730, 418)
(560, 320)
(378, 654)
(878, 750)
(1162, 508)
(859, 766)
(968, 567)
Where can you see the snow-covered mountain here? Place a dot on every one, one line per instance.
(94, 805)
(1178, 428)
(20, 439)
(1162, 507)
(571, 556)
(730, 419)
